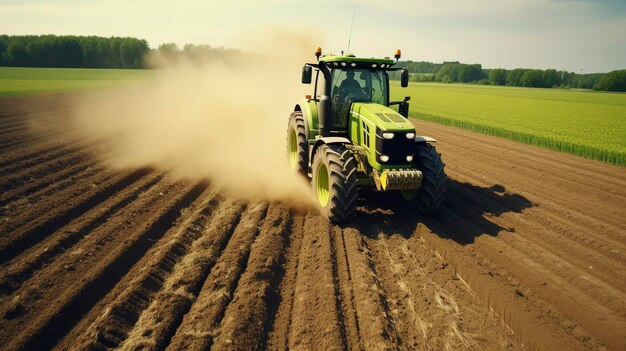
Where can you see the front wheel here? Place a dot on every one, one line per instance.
(335, 182)
(429, 196)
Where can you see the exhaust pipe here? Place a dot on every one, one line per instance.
(325, 107)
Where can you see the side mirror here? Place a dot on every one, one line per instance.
(404, 78)
(307, 73)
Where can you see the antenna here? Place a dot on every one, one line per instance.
(351, 26)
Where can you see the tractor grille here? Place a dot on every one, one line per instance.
(397, 148)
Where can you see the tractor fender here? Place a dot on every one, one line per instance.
(322, 141)
(309, 111)
(424, 139)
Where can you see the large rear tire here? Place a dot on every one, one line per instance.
(335, 182)
(297, 145)
(434, 181)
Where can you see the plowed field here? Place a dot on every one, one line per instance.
(528, 252)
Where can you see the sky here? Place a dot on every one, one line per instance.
(575, 35)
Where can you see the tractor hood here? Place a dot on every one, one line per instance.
(382, 116)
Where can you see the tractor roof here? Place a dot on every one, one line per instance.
(357, 62)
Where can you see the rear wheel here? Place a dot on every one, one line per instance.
(297, 145)
(335, 182)
(429, 196)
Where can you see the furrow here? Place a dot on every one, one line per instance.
(537, 324)
(44, 156)
(250, 315)
(108, 324)
(13, 162)
(278, 339)
(344, 291)
(23, 210)
(28, 263)
(41, 229)
(19, 143)
(552, 220)
(546, 184)
(601, 301)
(57, 319)
(159, 321)
(545, 243)
(40, 183)
(376, 324)
(432, 307)
(315, 319)
(198, 326)
(41, 170)
(533, 158)
(33, 152)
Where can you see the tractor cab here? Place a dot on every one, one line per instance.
(340, 81)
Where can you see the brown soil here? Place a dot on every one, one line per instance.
(527, 252)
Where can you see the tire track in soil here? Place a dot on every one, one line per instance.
(198, 327)
(56, 319)
(315, 319)
(539, 326)
(251, 313)
(432, 307)
(38, 230)
(278, 337)
(376, 324)
(108, 323)
(344, 291)
(28, 262)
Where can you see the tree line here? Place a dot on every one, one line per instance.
(449, 72)
(72, 51)
(128, 52)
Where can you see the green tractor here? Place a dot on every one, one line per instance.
(346, 136)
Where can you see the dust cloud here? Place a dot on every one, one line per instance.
(222, 118)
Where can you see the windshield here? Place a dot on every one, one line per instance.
(360, 85)
(352, 85)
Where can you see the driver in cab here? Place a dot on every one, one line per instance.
(350, 85)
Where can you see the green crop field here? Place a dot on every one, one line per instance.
(583, 123)
(20, 81)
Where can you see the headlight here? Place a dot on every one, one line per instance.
(388, 135)
(410, 135)
(409, 158)
(384, 158)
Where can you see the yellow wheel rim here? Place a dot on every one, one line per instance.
(322, 185)
(293, 149)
